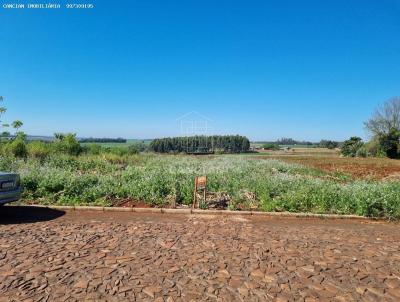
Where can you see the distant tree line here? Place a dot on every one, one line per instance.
(290, 141)
(328, 144)
(102, 140)
(201, 144)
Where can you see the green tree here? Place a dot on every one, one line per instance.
(389, 143)
(200, 144)
(67, 143)
(328, 144)
(17, 147)
(59, 136)
(17, 124)
(385, 118)
(384, 126)
(2, 111)
(38, 149)
(351, 146)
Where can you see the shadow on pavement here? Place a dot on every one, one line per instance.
(21, 214)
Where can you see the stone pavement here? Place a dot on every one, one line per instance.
(96, 256)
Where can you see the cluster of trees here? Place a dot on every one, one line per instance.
(18, 145)
(11, 143)
(103, 140)
(201, 144)
(328, 144)
(290, 141)
(62, 144)
(353, 147)
(384, 127)
(16, 125)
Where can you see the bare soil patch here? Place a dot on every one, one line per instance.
(330, 161)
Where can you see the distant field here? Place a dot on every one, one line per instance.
(302, 151)
(259, 145)
(331, 161)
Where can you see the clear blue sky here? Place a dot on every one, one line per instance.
(264, 69)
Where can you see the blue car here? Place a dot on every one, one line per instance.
(10, 187)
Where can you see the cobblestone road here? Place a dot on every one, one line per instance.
(90, 256)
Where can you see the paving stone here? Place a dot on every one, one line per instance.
(145, 257)
(82, 283)
(151, 290)
(257, 274)
(393, 282)
(395, 292)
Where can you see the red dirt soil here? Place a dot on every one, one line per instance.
(129, 203)
(359, 168)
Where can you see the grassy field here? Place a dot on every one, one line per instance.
(265, 182)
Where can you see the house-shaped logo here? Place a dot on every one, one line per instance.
(194, 123)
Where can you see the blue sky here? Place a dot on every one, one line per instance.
(264, 69)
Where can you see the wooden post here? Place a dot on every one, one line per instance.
(195, 194)
(200, 182)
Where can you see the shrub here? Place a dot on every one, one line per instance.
(94, 149)
(373, 148)
(362, 152)
(389, 143)
(17, 148)
(119, 151)
(351, 146)
(37, 149)
(133, 149)
(67, 144)
(141, 146)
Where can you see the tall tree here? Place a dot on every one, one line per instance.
(385, 119)
(16, 124)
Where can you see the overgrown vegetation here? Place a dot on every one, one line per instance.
(63, 144)
(328, 144)
(266, 185)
